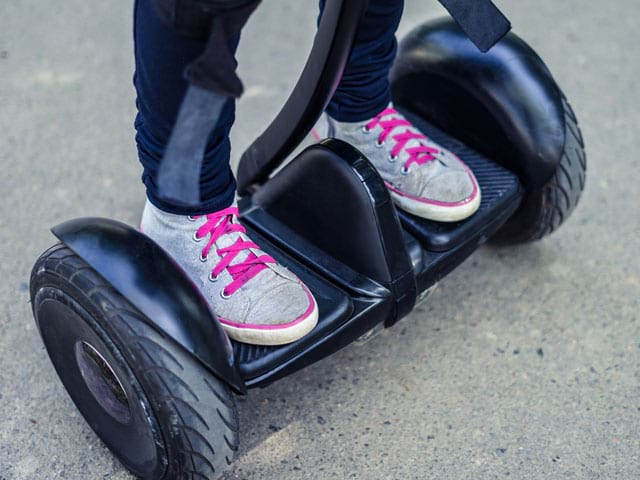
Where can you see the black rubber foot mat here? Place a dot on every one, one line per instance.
(334, 307)
(499, 189)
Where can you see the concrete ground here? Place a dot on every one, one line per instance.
(524, 364)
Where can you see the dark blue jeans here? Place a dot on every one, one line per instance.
(162, 55)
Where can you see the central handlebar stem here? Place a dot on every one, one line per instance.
(319, 80)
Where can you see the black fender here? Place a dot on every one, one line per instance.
(503, 103)
(157, 286)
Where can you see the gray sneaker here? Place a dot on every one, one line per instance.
(423, 178)
(256, 300)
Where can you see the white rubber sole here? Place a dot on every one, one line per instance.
(273, 336)
(436, 213)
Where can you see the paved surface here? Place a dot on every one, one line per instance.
(524, 364)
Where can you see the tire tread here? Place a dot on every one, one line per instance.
(544, 210)
(183, 394)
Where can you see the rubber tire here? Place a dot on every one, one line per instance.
(545, 209)
(195, 411)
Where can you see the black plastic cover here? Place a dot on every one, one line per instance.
(148, 278)
(504, 103)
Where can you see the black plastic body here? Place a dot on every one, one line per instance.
(348, 247)
(349, 304)
(148, 278)
(504, 103)
(313, 91)
(332, 215)
(328, 217)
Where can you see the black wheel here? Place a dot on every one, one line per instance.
(545, 209)
(159, 411)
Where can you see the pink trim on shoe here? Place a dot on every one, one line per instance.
(300, 319)
(469, 199)
(315, 135)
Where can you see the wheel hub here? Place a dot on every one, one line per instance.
(102, 382)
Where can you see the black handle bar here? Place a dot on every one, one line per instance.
(319, 79)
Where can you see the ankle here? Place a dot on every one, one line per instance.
(208, 204)
(345, 115)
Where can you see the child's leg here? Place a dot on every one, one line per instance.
(255, 299)
(161, 57)
(364, 89)
(423, 178)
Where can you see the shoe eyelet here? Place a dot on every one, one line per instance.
(224, 295)
(404, 171)
(204, 258)
(212, 277)
(392, 158)
(196, 238)
(191, 219)
(365, 129)
(379, 144)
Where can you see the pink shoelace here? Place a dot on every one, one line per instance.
(419, 154)
(221, 223)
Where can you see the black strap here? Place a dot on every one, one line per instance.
(212, 81)
(481, 20)
(179, 175)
